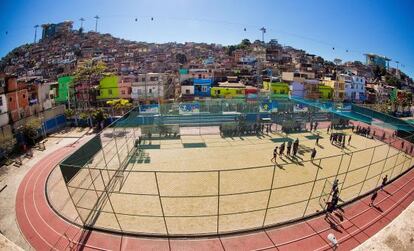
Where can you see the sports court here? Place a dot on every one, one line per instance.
(199, 182)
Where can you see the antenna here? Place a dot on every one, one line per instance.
(263, 30)
(96, 22)
(82, 19)
(35, 35)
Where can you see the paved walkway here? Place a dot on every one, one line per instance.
(45, 230)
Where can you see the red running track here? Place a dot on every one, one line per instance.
(45, 230)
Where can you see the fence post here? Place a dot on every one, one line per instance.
(116, 146)
(347, 170)
(313, 186)
(218, 202)
(366, 174)
(109, 199)
(270, 195)
(162, 208)
(395, 164)
(383, 167)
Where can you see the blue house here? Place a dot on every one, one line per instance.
(202, 87)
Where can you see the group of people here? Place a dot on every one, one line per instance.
(314, 126)
(291, 149)
(364, 131)
(339, 139)
(332, 204)
(245, 129)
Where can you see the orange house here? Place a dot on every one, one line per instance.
(17, 99)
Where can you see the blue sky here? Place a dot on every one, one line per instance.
(384, 27)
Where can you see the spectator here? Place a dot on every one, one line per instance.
(384, 182)
(373, 197)
(313, 154)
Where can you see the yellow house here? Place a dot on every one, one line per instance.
(278, 89)
(228, 90)
(338, 87)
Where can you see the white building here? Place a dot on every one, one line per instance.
(4, 116)
(354, 88)
(149, 86)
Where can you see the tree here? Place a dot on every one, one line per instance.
(231, 49)
(99, 116)
(90, 72)
(245, 43)
(7, 145)
(337, 61)
(120, 104)
(181, 58)
(31, 129)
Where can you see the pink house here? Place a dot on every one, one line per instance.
(124, 86)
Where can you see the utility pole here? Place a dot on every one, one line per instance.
(263, 30)
(82, 19)
(35, 35)
(96, 22)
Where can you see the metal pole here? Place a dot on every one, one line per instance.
(313, 186)
(218, 202)
(396, 159)
(162, 208)
(366, 175)
(270, 195)
(110, 202)
(347, 170)
(383, 167)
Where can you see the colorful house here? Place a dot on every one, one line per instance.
(325, 92)
(279, 90)
(297, 90)
(17, 99)
(108, 88)
(338, 87)
(63, 87)
(202, 87)
(228, 90)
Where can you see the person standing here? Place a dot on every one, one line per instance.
(384, 182)
(282, 149)
(335, 185)
(373, 197)
(274, 155)
(327, 129)
(313, 154)
(349, 139)
(311, 126)
(316, 126)
(317, 140)
(289, 147)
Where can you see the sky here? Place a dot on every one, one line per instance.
(344, 29)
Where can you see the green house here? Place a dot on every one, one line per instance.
(63, 87)
(108, 88)
(278, 89)
(325, 92)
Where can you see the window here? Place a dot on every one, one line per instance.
(204, 89)
(110, 91)
(187, 91)
(150, 90)
(217, 92)
(153, 78)
(1, 101)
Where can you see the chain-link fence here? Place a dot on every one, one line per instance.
(112, 188)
